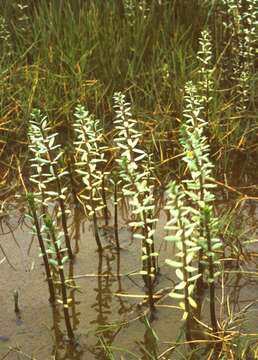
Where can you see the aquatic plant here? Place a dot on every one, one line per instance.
(69, 163)
(239, 21)
(91, 156)
(206, 81)
(35, 219)
(198, 189)
(136, 186)
(183, 227)
(116, 181)
(5, 38)
(57, 261)
(46, 161)
(133, 8)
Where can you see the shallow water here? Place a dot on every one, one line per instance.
(99, 310)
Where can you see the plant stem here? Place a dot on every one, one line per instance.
(149, 281)
(103, 193)
(116, 216)
(211, 275)
(43, 252)
(96, 233)
(60, 200)
(70, 332)
(185, 275)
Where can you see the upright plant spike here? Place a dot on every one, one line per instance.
(58, 262)
(137, 187)
(132, 9)
(5, 38)
(45, 161)
(148, 169)
(32, 215)
(206, 83)
(115, 181)
(245, 67)
(91, 155)
(184, 233)
(70, 166)
(240, 23)
(199, 187)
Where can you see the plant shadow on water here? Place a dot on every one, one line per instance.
(100, 311)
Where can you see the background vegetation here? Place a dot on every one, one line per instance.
(58, 53)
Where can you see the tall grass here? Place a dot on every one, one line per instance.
(64, 55)
(56, 53)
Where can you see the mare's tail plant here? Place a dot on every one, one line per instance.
(37, 231)
(239, 23)
(88, 145)
(198, 190)
(183, 226)
(46, 160)
(206, 82)
(136, 186)
(116, 181)
(70, 167)
(58, 261)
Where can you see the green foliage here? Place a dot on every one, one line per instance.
(46, 158)
(204, 56)
(46, 161)
(183, 227)
(91, 159)
(240, 23)
(197, 153)
(54, 249)
(137, 187)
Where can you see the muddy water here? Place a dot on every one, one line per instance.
(99, 310)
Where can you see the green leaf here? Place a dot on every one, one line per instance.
(185, 316)
(143, 272)
(51, 193)
(64, 259)
(53, 262)
(173, 263)
(182, 305)
(190, 268)
(179, 274)
(180, 286)
(217, 246)
(217, 273)
(195, 277)
(154, 254)
(176, 295)
(192, 302)
(171, 238)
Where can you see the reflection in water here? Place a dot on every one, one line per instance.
(102, 305)
(106, 331)
(75, 315)
(237, 291)
(76, 228)
(62, 349)
(125, 307)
